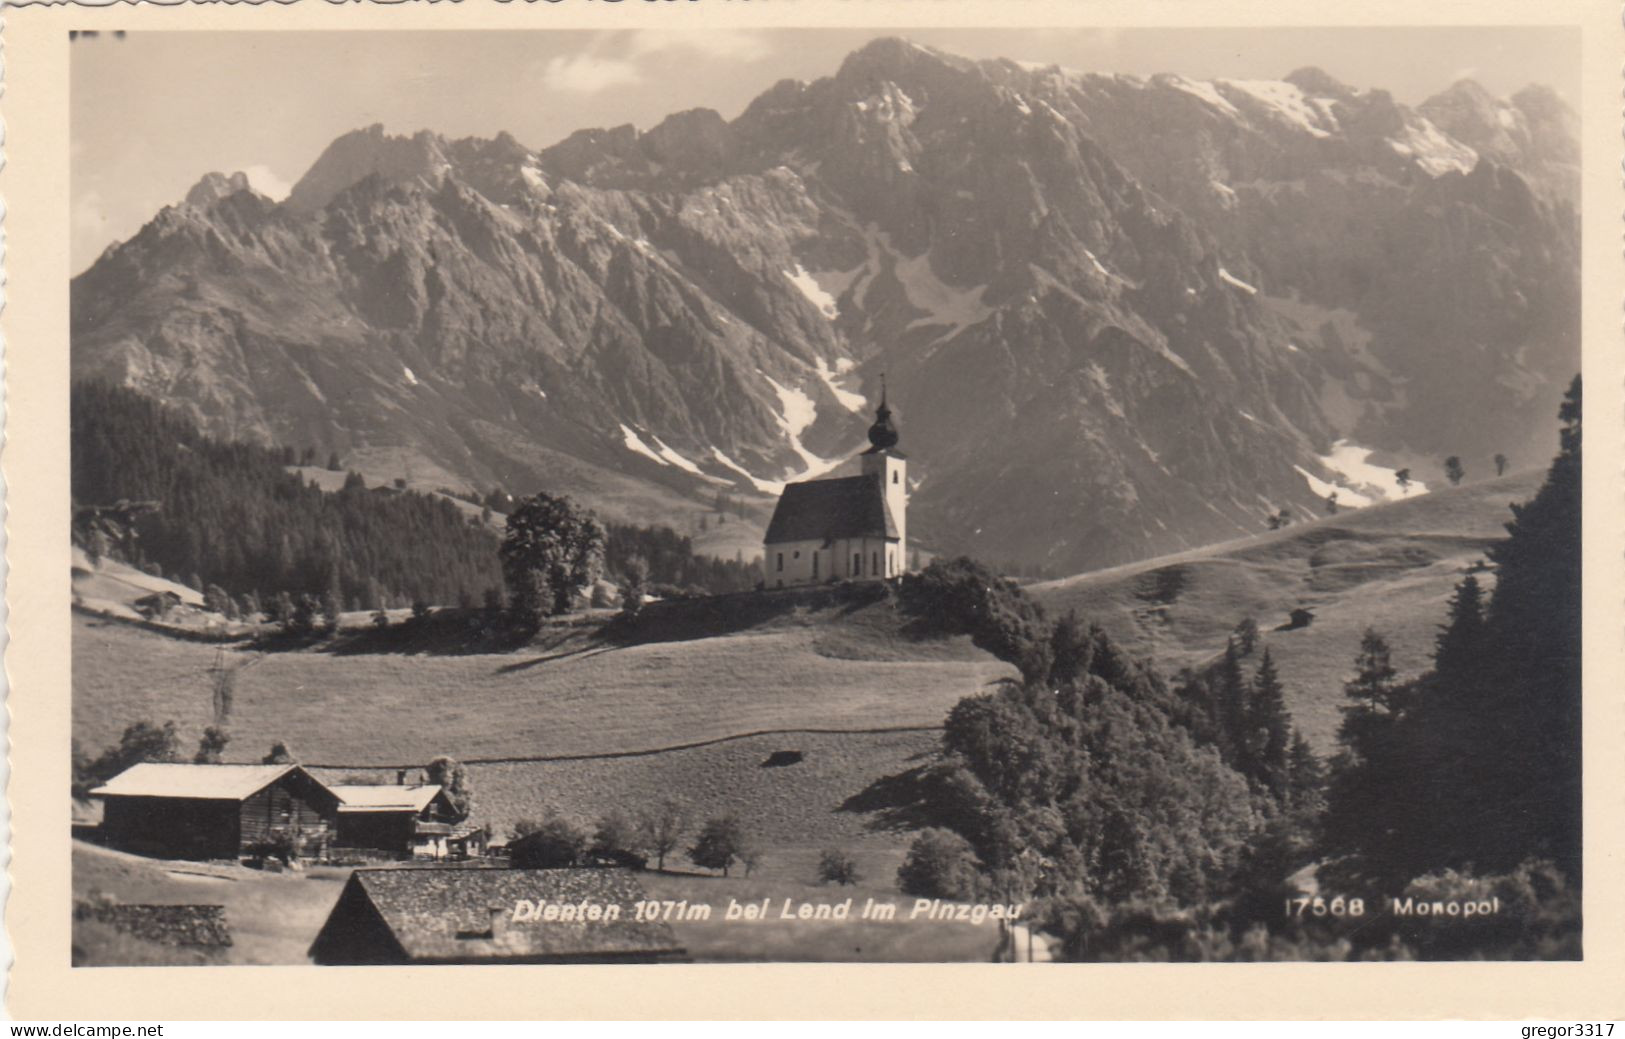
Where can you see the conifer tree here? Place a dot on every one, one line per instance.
(1230, 703)
(1306, 777)
(1269, 729)
(1372, 801)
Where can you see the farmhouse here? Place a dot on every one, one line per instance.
(852, 527)
(215, 811)
(463, 915)
(415, 821)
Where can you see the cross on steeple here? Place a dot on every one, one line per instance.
(882, 435)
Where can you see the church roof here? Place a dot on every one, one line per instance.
(849, 507)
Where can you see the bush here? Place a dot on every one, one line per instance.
(555, 844)
(837, 867)
(940, 864)
(962, 596)
(278, 844)
(143, 741)
(721, 843)
(619, 841)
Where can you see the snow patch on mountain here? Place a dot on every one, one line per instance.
(797, 413)
(635, 443)
(1322, 489)
(1432, 149)
(1230, 279)
(943, 303)
(664, 451)
(684, 464)
(1284, 101)
(1352, 462)
(1206, 91)
(1095, 261)
(831, 377)
(765, 486)
(411, 379)
(815, 293)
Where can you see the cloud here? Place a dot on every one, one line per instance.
(90, 214)
(587, 74)
(737, 44)
(261, 179)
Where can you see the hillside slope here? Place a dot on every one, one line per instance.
(583, 698)
(1390, 567)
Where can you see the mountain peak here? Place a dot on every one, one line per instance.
(213, 187)
(1465, 92)
(1540, 101)
(360, 153)
(889, 57)
(1317, 82)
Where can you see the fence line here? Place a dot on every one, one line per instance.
(649, 752)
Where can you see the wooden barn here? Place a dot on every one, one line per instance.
(405, 821)
(215, 811)
(471, 915)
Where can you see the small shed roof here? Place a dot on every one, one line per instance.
(385, 798)
(446, 914)
(847, 507)
(203, 782)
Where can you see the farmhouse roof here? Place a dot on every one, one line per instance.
(463, 914)
(848, 507)
(204, 782)
(380, 798)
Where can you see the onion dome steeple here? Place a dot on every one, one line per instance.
(882, 435)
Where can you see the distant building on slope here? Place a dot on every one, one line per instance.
(853, 527)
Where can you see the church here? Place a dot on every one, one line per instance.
(847, 528)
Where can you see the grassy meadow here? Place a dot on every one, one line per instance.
(583, 699)
(1392, 567)
(802, 806)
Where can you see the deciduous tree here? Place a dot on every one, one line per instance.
(452, 777)
(663, 826)
(720, 844)
(553, 549)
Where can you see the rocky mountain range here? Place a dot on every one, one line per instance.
(1118, 316)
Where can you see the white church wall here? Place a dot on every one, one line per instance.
(792, 563)
(795, 562)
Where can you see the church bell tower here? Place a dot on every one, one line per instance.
(884, 462)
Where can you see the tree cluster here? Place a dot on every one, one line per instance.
(670, 565)
(230, 515)
(1475, 764)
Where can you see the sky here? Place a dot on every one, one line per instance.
(152, 112)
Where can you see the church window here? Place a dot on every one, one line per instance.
(781, 561)
(815, 564)
(857, 564)
(796, 554)
(894, 476)
(874, 563)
